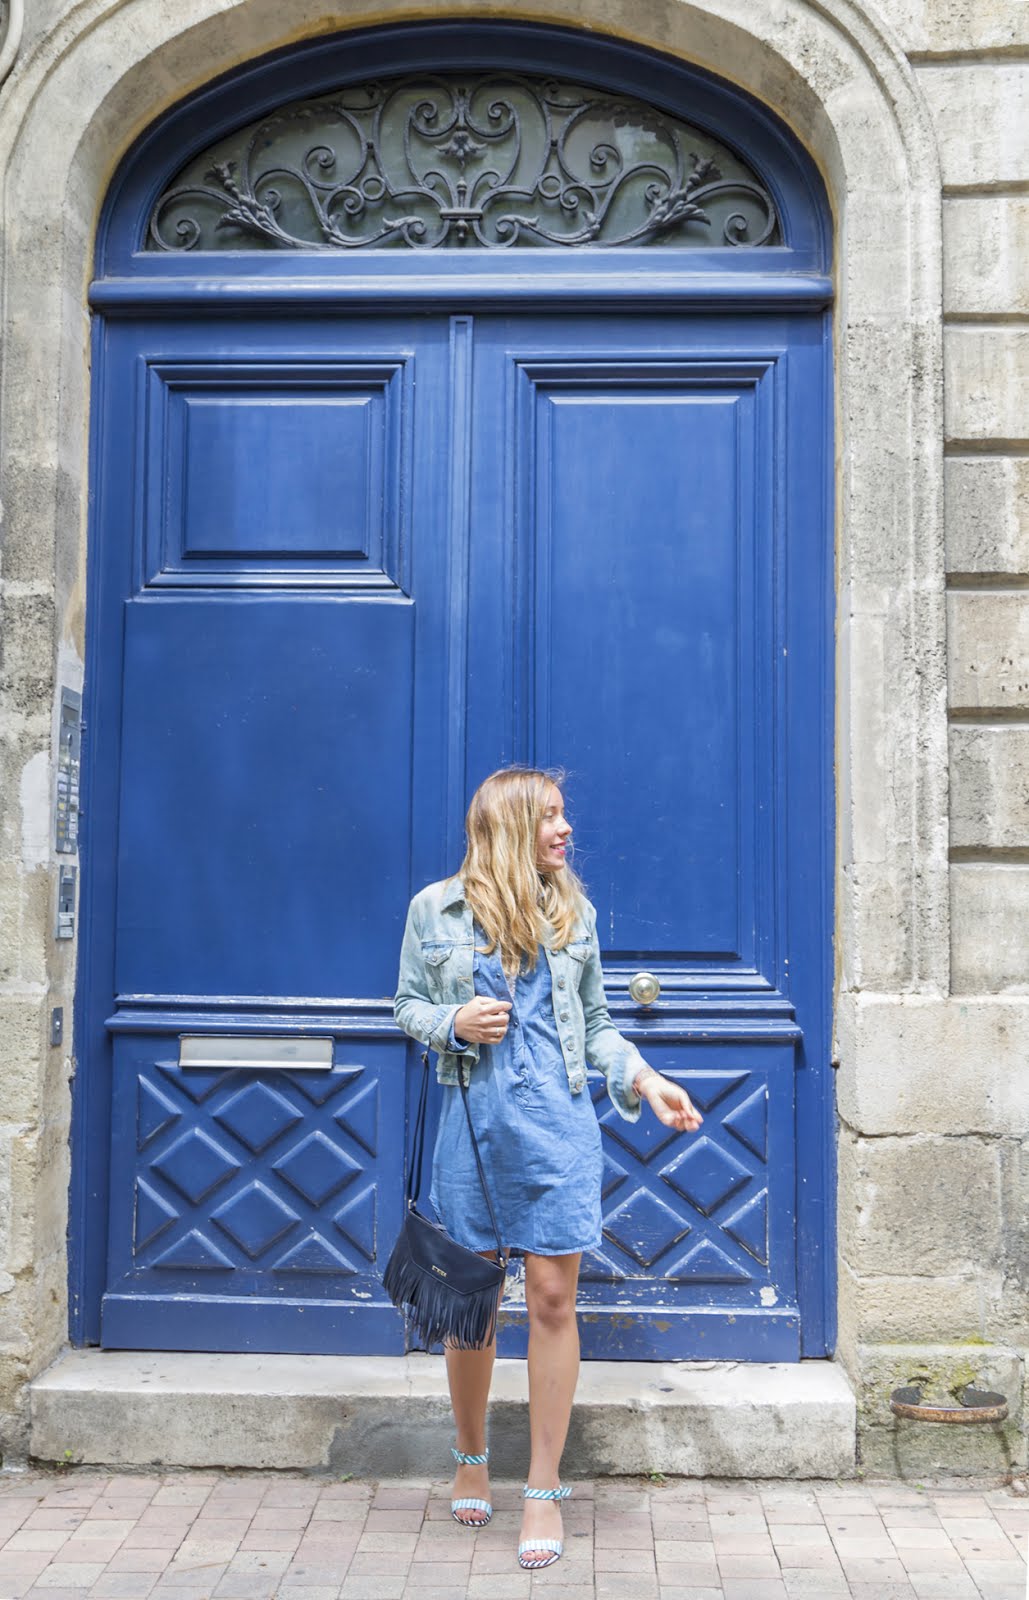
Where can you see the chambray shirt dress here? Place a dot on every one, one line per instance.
(540, 1144)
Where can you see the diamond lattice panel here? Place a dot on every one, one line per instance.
(682, 1211)
(255, 1219)
(705, 1175)
(195, 1165)
(258, 1173)
(257, 1115)
(644, 1227)
(317, 1168)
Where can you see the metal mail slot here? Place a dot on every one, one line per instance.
(254, 1051)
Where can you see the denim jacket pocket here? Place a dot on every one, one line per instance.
(438, 973)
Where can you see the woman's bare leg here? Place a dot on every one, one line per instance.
(550, 1287)
(469, 1373)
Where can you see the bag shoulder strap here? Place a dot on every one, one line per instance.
(414, 1174)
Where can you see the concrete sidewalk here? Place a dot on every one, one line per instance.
(262, 1536)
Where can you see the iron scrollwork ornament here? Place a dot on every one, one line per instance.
(489, 161)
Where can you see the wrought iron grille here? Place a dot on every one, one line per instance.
(490, 161)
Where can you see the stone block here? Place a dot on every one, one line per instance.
(989, 787)
(21, 1157)
(986, 255)
(988, 650)
(1014, 1251)
(21, 1046)
(989, 916)
(987, 516)
(26, 672)
(891, 1446)
(906, 1309)
(981, 114)
(922, 1064)
(27, 907)
(985, 383)
(943, 27)
(383, 1416)
(921, 1206)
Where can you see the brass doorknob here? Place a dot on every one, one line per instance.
(644, 988)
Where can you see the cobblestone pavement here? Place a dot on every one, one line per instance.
(193, 1536)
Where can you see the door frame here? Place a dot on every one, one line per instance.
(132, 282)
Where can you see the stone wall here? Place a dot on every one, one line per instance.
(934, 1094)
(932, 892)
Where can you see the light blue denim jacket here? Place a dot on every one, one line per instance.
(436, 980)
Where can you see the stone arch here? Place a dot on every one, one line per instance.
(835, 77)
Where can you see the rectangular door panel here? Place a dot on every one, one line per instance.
(647, 562)
(264, 846)
(254, 1210)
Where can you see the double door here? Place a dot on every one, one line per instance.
(349, 565)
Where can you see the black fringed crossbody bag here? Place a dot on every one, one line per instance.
(447, 1292)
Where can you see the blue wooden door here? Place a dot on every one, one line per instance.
(349, 566)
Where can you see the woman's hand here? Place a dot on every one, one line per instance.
(482, 1020)
(670, 1104)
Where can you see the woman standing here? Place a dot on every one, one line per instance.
(500, 974)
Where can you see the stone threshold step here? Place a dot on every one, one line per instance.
(389, 1416)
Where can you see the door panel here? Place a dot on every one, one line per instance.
(262, 736)
(643, 530)
(650, 546)
(264, 717)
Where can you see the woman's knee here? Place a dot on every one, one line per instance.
(550, 1299)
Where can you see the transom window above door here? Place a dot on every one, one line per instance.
(472, 160)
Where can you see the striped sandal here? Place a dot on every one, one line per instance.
(470, 1503)
(555, 1546)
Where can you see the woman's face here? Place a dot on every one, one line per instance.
(554, 833)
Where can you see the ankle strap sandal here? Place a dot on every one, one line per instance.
(554, 1546)
(470, 1502)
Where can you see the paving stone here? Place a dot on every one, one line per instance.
(685, 1573)
(803, 1584)
(737, 1564)
(36, 1593)
(286, 1591)
(809, 1557)
(944, 1586)
(383, 1588)
(881, 1591)
(70, 1575)
(123, 1586)
(635, 1561)
(44, 1539)
(754, 1589)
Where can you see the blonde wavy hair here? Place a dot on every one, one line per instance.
(517, 906)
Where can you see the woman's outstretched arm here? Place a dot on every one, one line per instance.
(620, 1061)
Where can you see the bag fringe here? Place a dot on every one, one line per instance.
(436, 1314)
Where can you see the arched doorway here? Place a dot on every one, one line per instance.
(400, 477)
